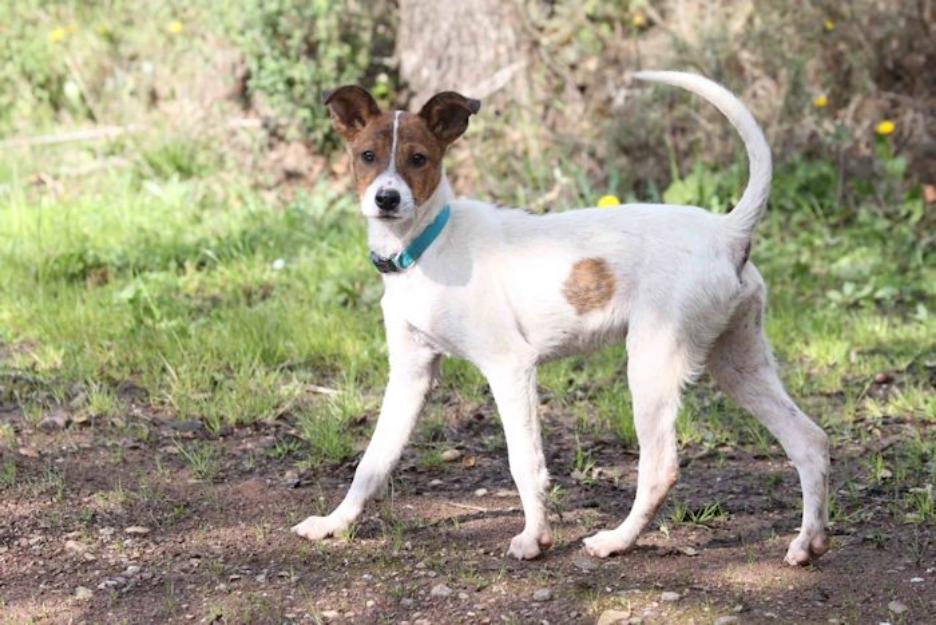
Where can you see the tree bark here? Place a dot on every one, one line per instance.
(474, 47)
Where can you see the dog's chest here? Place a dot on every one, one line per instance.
(429, 315)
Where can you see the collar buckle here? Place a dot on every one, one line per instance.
(383, 265)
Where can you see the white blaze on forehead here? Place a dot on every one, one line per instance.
(390, 179)
(393, 141)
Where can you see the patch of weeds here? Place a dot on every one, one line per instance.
(774, 481)
(706, 516)
(432, 459)
(52, 482)
(117, 454)
(328, 438)
(103, 402)
(8, 474)
(7, 436)
(325, 426)
(582, 464)
(919, 505)
(284, 448)
(203, 459)
(112, 501)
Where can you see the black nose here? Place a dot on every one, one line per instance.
(388, 199)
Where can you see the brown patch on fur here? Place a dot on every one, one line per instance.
(377, 137)
(589, 286)
(414, 137)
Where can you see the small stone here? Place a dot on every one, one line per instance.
(369, 603)
(367, 577)
(74, 546)
(726, 620)
(543, 594)
(689, 551)
(883, 378)
(481, 492)
(670, 596)
(28, 452)
(330, 615)
(137, 530)
(83, 593)
(917, 580)
(406, 602)
(435, 483)
(132, 570)
(612, 617)
(451, 455)
(58, 420)
(469, 462)
(896, 607)
(291, 479)
(463, 596)
(584, 564)
(441, 591)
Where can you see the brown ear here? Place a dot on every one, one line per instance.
(351, 107)
(447, 114)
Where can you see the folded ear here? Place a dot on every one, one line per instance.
(351, 107)
(446, 114)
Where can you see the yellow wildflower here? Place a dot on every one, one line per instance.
(57, 34)
(885, 127)
(828, 26)
(606, 201)
(175, 27)
(638, 20)
(820, 101)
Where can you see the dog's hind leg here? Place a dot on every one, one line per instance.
(514, 389)
(744, 368)
(657, 367)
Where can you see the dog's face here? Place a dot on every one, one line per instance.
(396, 157)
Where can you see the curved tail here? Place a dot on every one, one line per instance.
(750, 208)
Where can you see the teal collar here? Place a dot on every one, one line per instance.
(414, 250)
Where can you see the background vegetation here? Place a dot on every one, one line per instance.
(203, 255)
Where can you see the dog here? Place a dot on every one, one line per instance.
(507, 290)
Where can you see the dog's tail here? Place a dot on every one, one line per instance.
(750, 208)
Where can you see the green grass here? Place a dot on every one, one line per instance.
(229, 306)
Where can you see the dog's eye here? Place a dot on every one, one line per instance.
(368, 156)
(418, 160)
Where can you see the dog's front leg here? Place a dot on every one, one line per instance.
(411, 371)
(514, 389)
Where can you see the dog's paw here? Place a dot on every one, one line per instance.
(807, 547)
(319, 527)
(605, 543)
(529, 546)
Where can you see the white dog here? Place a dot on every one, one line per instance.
(507, 290)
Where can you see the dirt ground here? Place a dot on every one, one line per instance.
(104, 523)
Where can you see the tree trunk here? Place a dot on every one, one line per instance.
(475, 47)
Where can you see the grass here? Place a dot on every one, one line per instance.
(225, 307)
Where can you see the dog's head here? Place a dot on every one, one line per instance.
(396, 157)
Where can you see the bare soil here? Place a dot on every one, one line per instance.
(219, 550)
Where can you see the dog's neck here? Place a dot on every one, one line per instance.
(387, 238)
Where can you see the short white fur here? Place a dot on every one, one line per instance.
(686, 299)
